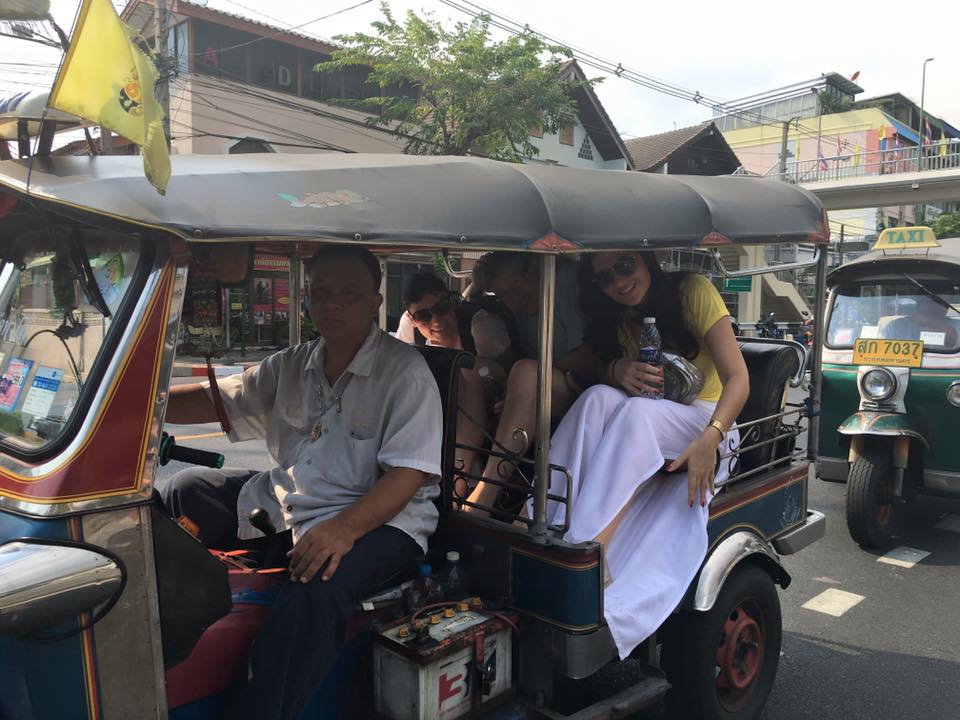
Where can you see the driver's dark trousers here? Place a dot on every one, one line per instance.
(303, 633)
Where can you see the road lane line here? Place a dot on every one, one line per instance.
(833, 602)
(903, 556)
(201, 436)
(950, 522)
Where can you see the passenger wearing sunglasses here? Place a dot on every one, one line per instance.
(623, 449)
(437, 317)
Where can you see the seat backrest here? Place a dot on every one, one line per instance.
(770, 366)
(446, 364)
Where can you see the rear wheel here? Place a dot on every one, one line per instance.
(871, 509)
(722, 663)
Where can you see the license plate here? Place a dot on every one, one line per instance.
(889, 353)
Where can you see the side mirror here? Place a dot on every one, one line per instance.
(230, 265)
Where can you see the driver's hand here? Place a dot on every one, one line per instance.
(328, 540)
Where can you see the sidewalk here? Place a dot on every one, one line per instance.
(231, 364)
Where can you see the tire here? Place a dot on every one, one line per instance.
(871, 511)
(722, 663)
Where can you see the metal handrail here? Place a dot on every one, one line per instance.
(795, 455)
(764, 269)
(893, 161)
(793, 431)
(445, 259)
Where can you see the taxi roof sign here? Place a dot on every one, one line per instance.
(906, 238)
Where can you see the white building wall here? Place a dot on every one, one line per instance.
(553, 151)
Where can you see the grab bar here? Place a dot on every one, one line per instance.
(763, 270)
(445, 259)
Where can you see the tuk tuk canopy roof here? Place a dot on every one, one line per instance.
(945, 258)
(442, 202)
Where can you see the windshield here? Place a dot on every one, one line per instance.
(58, 298)
(895, 308)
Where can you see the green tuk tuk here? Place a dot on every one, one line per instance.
(891, 379)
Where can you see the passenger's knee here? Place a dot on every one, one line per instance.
(523, 375)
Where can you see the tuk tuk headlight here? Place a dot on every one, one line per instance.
(878, 384)
(953, 394)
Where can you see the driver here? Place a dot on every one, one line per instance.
(353, 424)
(926, 316)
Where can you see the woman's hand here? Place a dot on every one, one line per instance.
(636, 378)
(700, 458)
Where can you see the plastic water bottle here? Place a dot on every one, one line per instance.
(651, 349)
(423, 591)
(454, 580)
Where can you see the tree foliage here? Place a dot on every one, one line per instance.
(947, 225)
(462, 93)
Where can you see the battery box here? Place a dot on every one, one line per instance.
(429, 670)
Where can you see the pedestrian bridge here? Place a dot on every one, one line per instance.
(881, 179)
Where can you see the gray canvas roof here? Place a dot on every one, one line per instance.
(443, 202)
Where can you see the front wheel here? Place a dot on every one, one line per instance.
(722, 663)
(871, 510)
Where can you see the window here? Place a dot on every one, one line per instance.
(566, 135)
(895, 309)
(59, 301)
(220, 51)
(586, 149)
(250, 145)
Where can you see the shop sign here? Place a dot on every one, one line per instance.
(271, 263)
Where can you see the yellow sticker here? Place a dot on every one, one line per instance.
(888, 353)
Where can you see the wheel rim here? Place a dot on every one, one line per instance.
(740, 655)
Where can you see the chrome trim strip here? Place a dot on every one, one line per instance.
(541, 478)
(763, 270)
(42, 585)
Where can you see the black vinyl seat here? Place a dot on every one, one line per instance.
(770, 366)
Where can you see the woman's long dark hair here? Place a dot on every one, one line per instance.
(663, 301)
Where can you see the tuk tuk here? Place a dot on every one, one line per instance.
(110, 609)
(891, 379)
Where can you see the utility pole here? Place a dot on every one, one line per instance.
(840, 247)
(163, 79)
(783, 150)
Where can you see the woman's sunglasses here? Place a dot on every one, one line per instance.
(624, 267)
(425, 315)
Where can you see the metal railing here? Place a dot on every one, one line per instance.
(934, 156)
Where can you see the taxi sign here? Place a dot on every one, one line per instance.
(904, 238)
(888, 353)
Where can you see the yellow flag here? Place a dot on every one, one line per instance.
(107, 79)
(943, 145)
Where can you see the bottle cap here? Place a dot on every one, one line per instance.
(453, 556)
(463, 606)
(476, 602)
(404, 631)
(448, 612)
(418, 625)
(649, 321)
(434, 619)
(484, 371)
(425, 570)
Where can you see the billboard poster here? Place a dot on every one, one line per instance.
(281, 299)
(12, 382)
(262, 301)
(42, 391)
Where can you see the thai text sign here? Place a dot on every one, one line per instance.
(889, 353)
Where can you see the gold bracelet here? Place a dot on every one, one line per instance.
(717, 424)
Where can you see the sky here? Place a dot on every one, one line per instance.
(724, 50)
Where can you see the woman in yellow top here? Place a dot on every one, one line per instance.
(643, 468)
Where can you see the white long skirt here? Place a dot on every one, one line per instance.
(615, 448)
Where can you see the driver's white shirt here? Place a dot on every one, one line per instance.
(329, 454)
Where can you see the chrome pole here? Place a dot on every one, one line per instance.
(541, 479)
(819, 335)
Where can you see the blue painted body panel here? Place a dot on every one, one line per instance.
(40, 681)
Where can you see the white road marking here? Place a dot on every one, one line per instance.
(903, 556)
(833, 602)
(950, 522)
(827, 580)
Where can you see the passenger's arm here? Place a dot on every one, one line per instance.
(190, 405)
(700, 456)
(334, 538)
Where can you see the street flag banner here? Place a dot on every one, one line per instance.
(943, 145)
(107, 79)
(823, 162)
(24, 9)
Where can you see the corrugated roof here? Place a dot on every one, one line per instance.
(652, 150)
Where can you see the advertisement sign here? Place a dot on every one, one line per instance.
(281, 299)
(42, 391)
(12, 382)
(271, 263)
(262, 301)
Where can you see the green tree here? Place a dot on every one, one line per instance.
(469, 95)
(947, 225)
